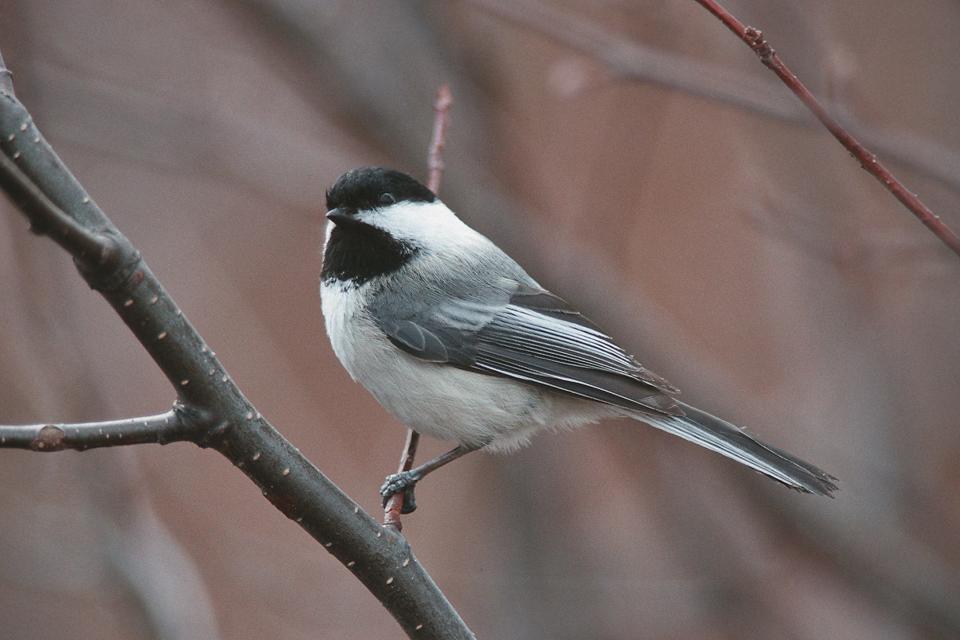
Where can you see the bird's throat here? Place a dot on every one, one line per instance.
(359, 252)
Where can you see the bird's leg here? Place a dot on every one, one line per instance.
(405, 480)
(393, 506)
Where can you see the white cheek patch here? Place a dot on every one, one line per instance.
(430, 225)
(407, 219)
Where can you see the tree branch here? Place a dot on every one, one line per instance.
(438, 139)
(211, 408)
(630, 60)
(392, 509)
(159, 429)
(868, 160)
(48, 219)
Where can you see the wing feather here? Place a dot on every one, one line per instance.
(530, 335)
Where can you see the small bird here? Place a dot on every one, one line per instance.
(458, 342)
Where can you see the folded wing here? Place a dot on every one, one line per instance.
(533, 336)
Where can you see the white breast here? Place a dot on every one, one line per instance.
(438, 400)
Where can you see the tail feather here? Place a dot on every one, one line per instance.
(729, 440)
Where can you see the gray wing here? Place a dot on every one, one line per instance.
(527, 334)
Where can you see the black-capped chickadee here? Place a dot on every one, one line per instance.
(453, 338)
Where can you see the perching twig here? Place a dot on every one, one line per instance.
(394, 505)
(441, 110)
(868, 160)
(211, 410)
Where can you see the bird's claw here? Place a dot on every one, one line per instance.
(403, 482)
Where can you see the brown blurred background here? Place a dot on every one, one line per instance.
(640, 162)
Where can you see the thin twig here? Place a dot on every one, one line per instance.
(627, 59)
(868, 160)
(210, 402)
(438, 140)
(160, 429)
(631, 60)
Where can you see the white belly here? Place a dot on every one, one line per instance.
(438, 400)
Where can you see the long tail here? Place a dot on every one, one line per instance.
(729, 440)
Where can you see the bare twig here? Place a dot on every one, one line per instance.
(868, 160)
(211, 407)
(159, 429)
(631, 60)
(438, 140)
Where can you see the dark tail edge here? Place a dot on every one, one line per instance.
(733, 442)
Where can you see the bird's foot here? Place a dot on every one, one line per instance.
(404, 482)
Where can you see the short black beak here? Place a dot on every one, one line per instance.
(339, 216)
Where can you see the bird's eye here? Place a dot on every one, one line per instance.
(387, 198)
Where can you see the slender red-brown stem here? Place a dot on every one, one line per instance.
(441, 118)
(627, 59)
(391, 511)
(868, 160)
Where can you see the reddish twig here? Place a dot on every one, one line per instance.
(868, 160)
(630, 60)
(391, 511)
(441, 110)
(441, 118)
